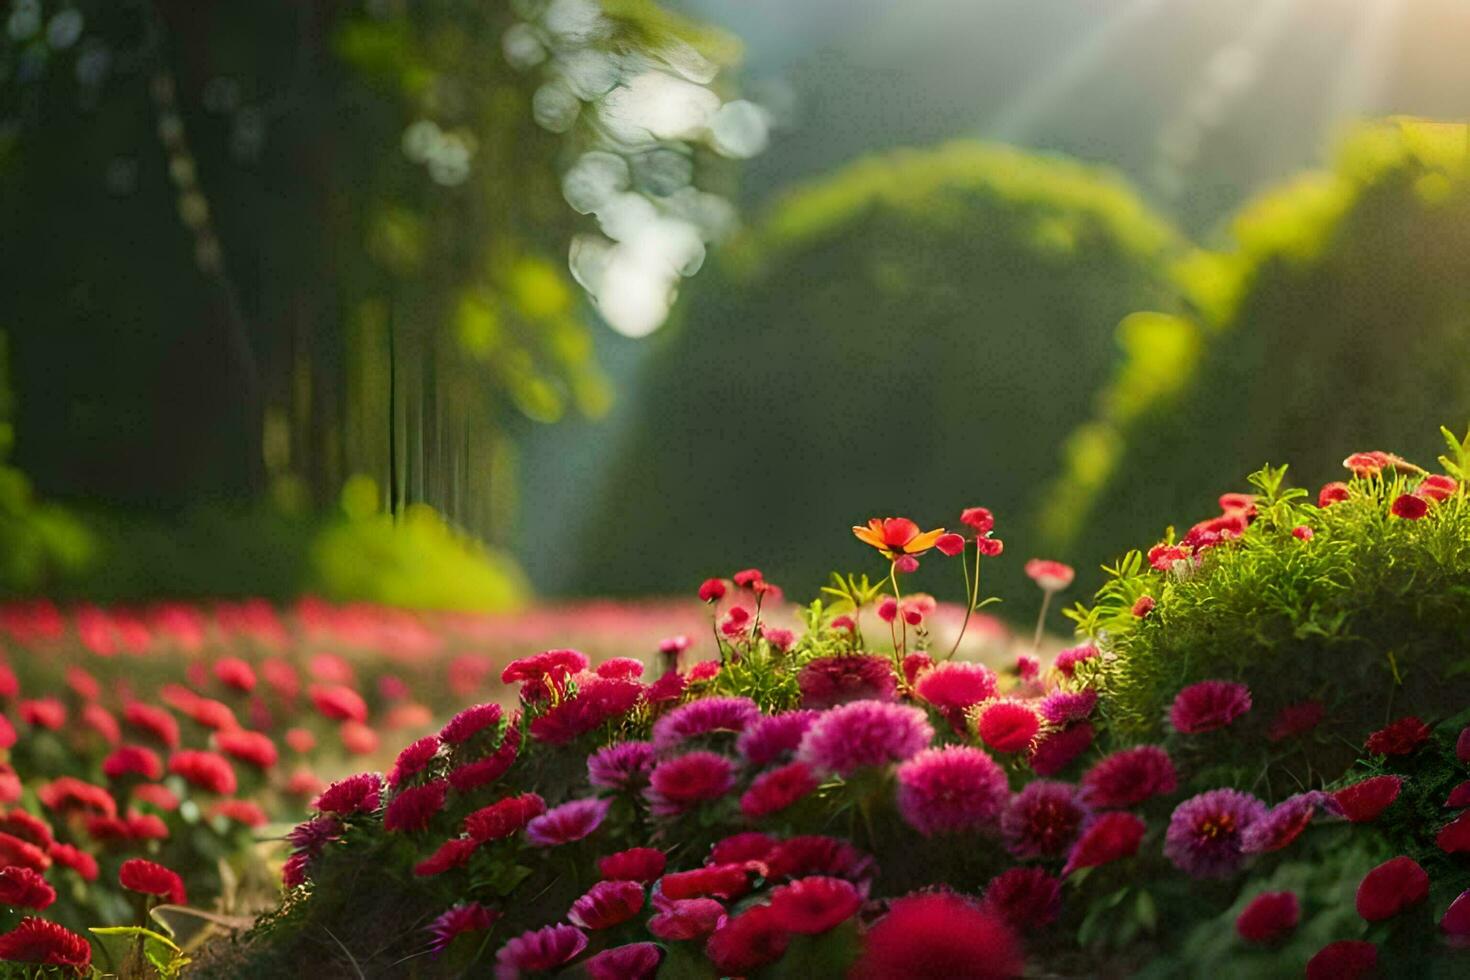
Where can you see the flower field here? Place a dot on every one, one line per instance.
(854, 787)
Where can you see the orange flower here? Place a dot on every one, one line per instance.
(896, 536)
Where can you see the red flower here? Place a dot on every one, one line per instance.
(413, 808)
(66, 793)
(1462, 745)
(685, 919)
(1409, 507)
(1399, 738)
(1052, 576)
(978, 519)
(39, 941)
(453, 853)
(1269, 917)
(1162, 557)
(1390, 888)
(643, 864)
(1303, 533)
(777, 789)
(509, 816)
(1053, 753)
(152, 879)
(796, 857)
(79, 861)
(469, 723)
(27, 827)
(338, 703)
(990, 547)
(251, 748)
(242, 812)
(204, 770)
(607, 904)
(1459, 797)
(1454, 837)
(355, 794)
(1455, 923)
(1111, 837)
(938, 935)
(747, 942)
(1128, 777)
(1208, 706)
(43, 713)
(747, 578)
(1346, 959)
(950, 544)
(1438, 487)
(719, 880)
(23, 888)
(1332, 493)
(156, 722)
(1367, 464)
(1143, 606)
(711, 590)
(814, 905)
(1007, 726)
(1363, 801)
(1296, 719)
(133, 760)
(895, 537)
(742, 849)
(1027, 898)
(235, 673)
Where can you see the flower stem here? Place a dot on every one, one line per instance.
(1040, 623)
(972, 588)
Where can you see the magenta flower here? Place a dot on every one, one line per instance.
(1285, 822)
(703, 717)
(607, 904)
(470, 722)
(539, 951)
(635, 961)
(685, 781)
(830, 681)
(684, 918)
(470, 917)
(950, 790)
(864, 733)
(1208, 705)
(1067, 661)
(1043, 819)
(623, 765)
(1128, 777)
(954, 685)
(1061, 707)
(774, 737)
(1205, 832)
(568, 822)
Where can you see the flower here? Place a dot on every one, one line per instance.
(644, 864)
(818, 855)
(1454, 837)
(39, 941)
(706, 716)
(1052, 753)
(687, 780)
(978, 519)
(1128, 777)
(1390, 888)
(906, 564)
(1204, 835)
(829, 681)
(1060, 707)
(1143, 606)
(813, 905)
(746, 942)
(413, 808)
(681, 919)
(235, 673)
(23, 888)
(1437, 487)
(864, 733)
(773, 737)
(1067, 661)
(539, 951)
(79, 861)
(1364, 800)
(1283, 823)
(1459, 797)
(242, 812)
(337, 702)
(568, 822)
(251, 748)
(412, 760)
(132, 760)
(1399, 738)
(1161, 557)
(773, 791)
(711, 590)
(950, 544)
(1303, 533)
(990, 547)
(1052, 576)
(954, 686)
(551, 665)
(1026, 898)
(1269, 917)
(607, 904)
(952, 789)
(67, 793)
(470, 722)
(355, 794)
(721, 880)
(456, 921)
(1409, 506)
(1462, 745)
(742, 848)
(204, 770)
(500, 820)
(938, 935)
(897, 536)
(1208, 705)
(1455, 923)
(1043, 819)
(1296, 719)
(148, 878)
(634, 961)
(1007, 726)
(1346, 959)
(1332, 493)
(622, 765)
(1111, 837)
(46, 713)
(1367, 463)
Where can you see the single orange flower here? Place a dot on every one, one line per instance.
(896, 536)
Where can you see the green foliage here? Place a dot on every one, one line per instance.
(1369, 617)
(1339, 316)
(915, 332)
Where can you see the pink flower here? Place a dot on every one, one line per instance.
(470, 722)
(1128, 777)
(1303, 533)
(568, 822)
(413, 808)
(771, 738)
(950, 544)
(1284, 822)
(1205, 831)
(1390, 888)
(954, 686)
(796, 857)
(706, 716)
(1007, 726)
(204, 770)
(685, 781)
(607, 904)
(469, 917)
(683, 919)
(781, 639)
(1332, 493)
(1026, 898)
(1043, 819)
(829, 681)
(711, 590)
(1052, 576)
(978, 519)
(133, 760)
(938, 935)
(1060, 707)
(412, 760)
(635, 961)
(1052, 753)
(504, 818)
(742, 848)
(539, 951)
(748, 579)
(777, 789)
(1111, 837)
(1067, 661)
(990, 547)
(864, 733)
(950, 790)
(1208, 705)
(620, 766)
(1437, 487)
(1269, 917)
(811, 906)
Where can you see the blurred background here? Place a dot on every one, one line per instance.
(462, 305)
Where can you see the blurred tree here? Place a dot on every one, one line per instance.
(910, 336)
(1339, 322)
(269, 245)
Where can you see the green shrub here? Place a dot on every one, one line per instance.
(1369, 616)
